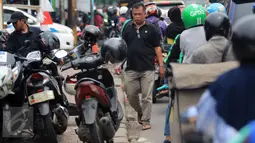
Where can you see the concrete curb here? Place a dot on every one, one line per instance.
(121, 134)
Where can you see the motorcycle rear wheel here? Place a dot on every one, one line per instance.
(49, 129)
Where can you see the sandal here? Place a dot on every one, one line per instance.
(162, 93)
(146, 125)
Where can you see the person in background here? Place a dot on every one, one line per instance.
(85, 19)
(123, 14)
(217, 32)
(112, 17)
(98, 18)
(194, 35)
(22, 33)
(66, 17)
(172, 30)
(143, 44)
(228, 104)
(17, 40)
(112, 14)
(152, 13)
(176, 27)
(130, 5)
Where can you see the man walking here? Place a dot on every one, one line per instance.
(143, 44)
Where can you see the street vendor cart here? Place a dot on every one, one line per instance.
(188, 83)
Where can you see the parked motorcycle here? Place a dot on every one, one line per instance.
(10, 78)
(43, 93)
(13, 74)
(95, 97)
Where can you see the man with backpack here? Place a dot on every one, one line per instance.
(152, 13)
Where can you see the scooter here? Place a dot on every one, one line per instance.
(100, 113)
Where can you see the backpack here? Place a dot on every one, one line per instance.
(158, 29)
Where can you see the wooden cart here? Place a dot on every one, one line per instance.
(188, 83)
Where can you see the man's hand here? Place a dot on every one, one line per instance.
(118, 69)
(160, 61)
(161, 72)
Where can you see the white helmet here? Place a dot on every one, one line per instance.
(123, 10)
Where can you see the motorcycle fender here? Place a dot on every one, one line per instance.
(55, 84)
(89, 110)
(44, 108)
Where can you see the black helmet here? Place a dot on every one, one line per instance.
(4, 35)
(48, 42)
(111, 10)
(243, 39)
(114, 50)
(90, 34)
(217, 23)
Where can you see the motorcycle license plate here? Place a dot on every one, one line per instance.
(41, 97)
(3, 57)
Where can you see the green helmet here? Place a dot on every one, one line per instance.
(193, 15)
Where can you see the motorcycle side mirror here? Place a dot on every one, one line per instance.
(189, 116)
(60, 54)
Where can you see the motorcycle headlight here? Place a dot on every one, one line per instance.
(15, 74)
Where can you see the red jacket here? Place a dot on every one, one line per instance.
(98, 20)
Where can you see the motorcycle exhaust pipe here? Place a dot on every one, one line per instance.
(107, 127)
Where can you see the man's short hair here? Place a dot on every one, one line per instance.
(138, 5)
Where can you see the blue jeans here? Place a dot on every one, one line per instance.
(165, 78)
(167, 123)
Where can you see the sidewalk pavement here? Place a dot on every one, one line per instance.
(69, 136)
(121, 134)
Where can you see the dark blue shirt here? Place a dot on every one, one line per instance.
(234, 92)
(17, 40)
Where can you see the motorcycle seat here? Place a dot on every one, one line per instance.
(98, 83)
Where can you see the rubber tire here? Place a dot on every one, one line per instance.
(49, 129)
